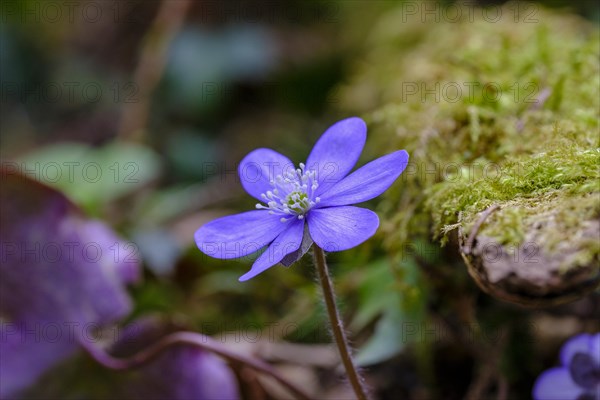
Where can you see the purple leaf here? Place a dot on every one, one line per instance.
(61, 274)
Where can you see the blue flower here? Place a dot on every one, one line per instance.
(305, 204)
(579, 376)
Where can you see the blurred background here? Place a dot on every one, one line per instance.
(138, 113)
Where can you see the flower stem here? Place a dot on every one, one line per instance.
(337, 325)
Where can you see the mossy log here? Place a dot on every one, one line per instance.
(501, 122)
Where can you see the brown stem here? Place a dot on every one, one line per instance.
(151, 65)
(337, 325)
(193, 339)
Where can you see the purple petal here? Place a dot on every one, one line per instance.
(259, 167)
(367, 182)
(28, 350)
(556, 384)
(287, 242)
(341, 228)
(239, 235)
(577, 344)
(583, 371)
(595, 348)
(337, 151)
(184, 372)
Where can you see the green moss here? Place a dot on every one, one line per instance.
(559, 222)
(569, 171)
(523, 133)
(507, 227)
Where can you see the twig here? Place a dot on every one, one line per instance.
(151, 65)
(537, 104)
(502, 388)
(193, 339)
(337, 325)
(484, 215)
(477, 389)
(489, 360)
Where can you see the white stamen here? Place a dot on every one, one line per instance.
(291, 194)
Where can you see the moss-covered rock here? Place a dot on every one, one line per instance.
(497, 114)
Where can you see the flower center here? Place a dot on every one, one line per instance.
(583, 371)
(298, 202)
(292, 194)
